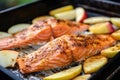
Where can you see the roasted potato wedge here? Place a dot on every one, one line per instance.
(61, 9)
(17, 28)
(93, 20)
(4, 34)
(40, 18)
(116, 35)
(111, 52)
(94, 63)
(81, 14)
(66, 74)
(83, 77)
(102, 28)
(115, 21)
(8, 58)
(69, 15)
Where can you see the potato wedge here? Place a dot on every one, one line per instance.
(115, 21)
(8, 58)
(93, 20)
(40, 18)
(83, 77)
(69, 15)
(102, 28)
(94, 63)
(111, 52)
(66, 74)
(17, 28)
(116, 35)
(81, 14)
(61, 9)
(4, 34)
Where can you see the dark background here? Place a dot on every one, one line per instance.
(4, 4)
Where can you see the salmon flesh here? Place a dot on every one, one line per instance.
(63, 51)
(41, 31)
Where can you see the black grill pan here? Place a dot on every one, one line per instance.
(26, 12)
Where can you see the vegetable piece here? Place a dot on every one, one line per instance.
(94, 63)
(4, 34)
(83, 77)
(61, 9)
(8, 58)
(40, 18)
(115, 21)
(70, 15)
(111, 51)
(93, 20)
(101, 28)
(66, 74)
(80, 14)
(18, 27)
(116, 35)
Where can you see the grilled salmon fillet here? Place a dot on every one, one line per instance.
(41, 31)
(32, 35)
(64, 50)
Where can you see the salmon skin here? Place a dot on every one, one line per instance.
(41, 31)
(63, 51)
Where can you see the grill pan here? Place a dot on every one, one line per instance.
(26, 12)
